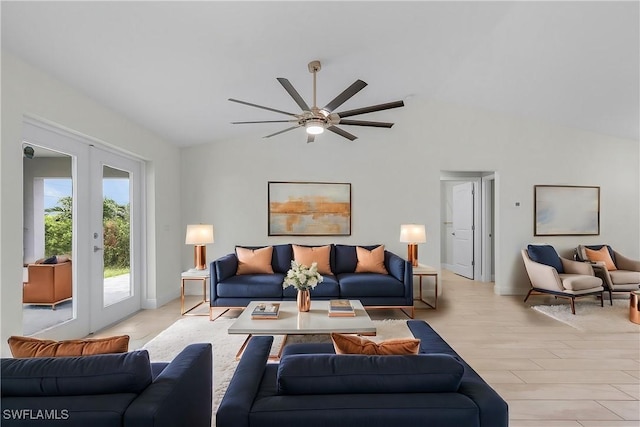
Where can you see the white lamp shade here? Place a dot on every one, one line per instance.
(413, 233)
(199, 234)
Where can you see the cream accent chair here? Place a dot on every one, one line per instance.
(576, 280)
(625, 279)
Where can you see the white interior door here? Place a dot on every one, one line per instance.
(463, 230)
(116, 238)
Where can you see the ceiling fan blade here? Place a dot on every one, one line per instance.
(342, 133)
(372, 108)
(346, 94)
(264, 121)
(282, 131)
(294, 93)
(260, 106)
(365, 123)
(310, 138)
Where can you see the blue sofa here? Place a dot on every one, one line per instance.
(372, 289)
(107, 390)
(313, 387)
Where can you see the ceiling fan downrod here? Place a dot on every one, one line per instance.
(314, 67)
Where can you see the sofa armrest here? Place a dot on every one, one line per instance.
(624, 263)
(400, 269)
(180, 395)
(494, 411)
(225, 267)
(576, 267)
(219, 270)
(237, 401)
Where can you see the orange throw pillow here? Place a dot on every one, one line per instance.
(601, 255)
(370, 261)
(22, 347)
(254, 261)
(352, 344)
(318, 254)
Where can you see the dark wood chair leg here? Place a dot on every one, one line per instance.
(527, 297)
(573, 305)
(602, 299)
(610, 297)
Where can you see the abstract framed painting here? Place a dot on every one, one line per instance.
(566, 210)
(309, 208)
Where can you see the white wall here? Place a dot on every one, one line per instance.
(28, 91)
(395, 176)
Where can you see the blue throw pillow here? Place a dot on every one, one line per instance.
(547, 255)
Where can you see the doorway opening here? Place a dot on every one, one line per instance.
(467, 201)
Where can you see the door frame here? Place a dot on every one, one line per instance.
(49, 135)
(481, 211)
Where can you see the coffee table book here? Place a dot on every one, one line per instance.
(266, 311)
(341, 308)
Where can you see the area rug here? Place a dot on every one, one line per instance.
(166, 345)
(591, 317)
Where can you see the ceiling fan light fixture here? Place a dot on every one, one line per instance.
(314, 127)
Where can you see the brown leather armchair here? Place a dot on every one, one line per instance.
(49, 284)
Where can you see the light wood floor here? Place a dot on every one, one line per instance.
(551, 374)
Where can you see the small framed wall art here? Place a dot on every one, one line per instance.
(309, 208)
(566, 210)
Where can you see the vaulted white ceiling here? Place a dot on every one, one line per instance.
(170, 66)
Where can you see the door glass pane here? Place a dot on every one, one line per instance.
(48, 238)
(116, 235)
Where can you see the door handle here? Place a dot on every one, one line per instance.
(453, 234)
(96, 249)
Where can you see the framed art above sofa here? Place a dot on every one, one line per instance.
(309, 208)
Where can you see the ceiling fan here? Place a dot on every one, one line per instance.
(315, 120)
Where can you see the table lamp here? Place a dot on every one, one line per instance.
(199, 235)
(412, 234)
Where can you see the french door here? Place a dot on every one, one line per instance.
(107, 222)
(116, 224)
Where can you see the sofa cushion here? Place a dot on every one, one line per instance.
(251, 286)
(254, 261)
(579, 282)
(347, 258)
(307, 255)
(547, 255)
(73, 376)
(602, 255)
(370, 261)
(369, 285)
(623, 277)
(343, 374)
(282, 256)
(327, 289)
(353, 344)
(51, 260)
(32, 347)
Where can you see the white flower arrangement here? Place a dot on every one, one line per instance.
(302, 277)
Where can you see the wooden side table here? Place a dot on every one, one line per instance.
(201, 275)
(425, 270)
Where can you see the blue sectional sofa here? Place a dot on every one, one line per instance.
(374, 290)
(313, 387)
(108, 390)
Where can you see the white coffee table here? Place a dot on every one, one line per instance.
(291, 322)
